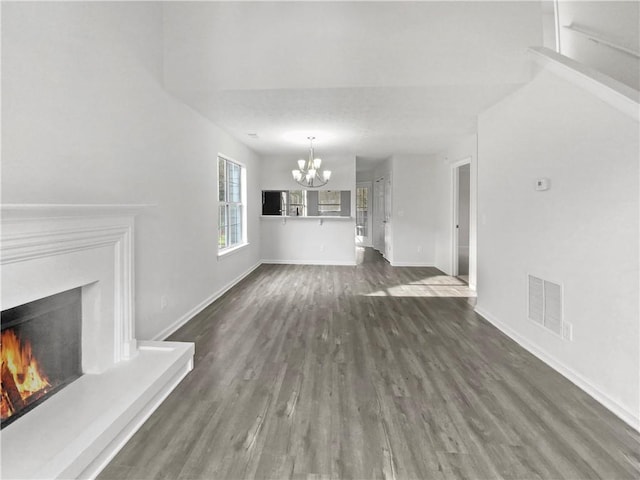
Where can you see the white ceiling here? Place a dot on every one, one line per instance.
(371, 79)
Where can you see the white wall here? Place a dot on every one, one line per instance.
(307, 240)
(582, 233)
(548, 24)
(413, 210)
(365, 176)
(617, 22)
(86, 120)
(464, 150)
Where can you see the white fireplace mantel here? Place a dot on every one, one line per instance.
(48, 249)
(93, 246)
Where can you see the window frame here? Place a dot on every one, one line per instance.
(362, 212)
(226, 203)
(291, 204)
(332, 212)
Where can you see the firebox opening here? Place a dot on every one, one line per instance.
(41, 346)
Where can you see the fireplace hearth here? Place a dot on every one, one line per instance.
(40, 352)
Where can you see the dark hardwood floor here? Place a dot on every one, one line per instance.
(368, 372)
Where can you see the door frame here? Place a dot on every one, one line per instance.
(455, 174)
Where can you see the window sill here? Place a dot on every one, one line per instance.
(231, 250)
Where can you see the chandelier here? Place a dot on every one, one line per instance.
(308, 173)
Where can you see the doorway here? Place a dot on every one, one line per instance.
(461, 219)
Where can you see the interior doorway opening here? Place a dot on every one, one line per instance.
(461, 219)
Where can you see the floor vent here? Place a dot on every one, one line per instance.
(545, 304)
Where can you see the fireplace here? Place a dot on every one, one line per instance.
(41, 352)
(80, 258)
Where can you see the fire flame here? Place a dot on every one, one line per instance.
(20, 372)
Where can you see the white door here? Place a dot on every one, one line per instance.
(461, 222)
(378, 215)
(387, 218)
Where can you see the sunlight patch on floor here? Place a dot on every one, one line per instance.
(379, 293)
(439, 280)
(411, 290)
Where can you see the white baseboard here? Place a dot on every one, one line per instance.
(202, 305)
(310, 262)
(629, 417)
(411, 264)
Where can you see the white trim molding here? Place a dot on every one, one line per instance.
(55, 234)
(39, 231)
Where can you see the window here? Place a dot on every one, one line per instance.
(298, 203)
(329, 202)
(231, 211)
(362, 211)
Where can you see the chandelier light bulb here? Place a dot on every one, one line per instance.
(301, 163)
(316, 163)
(326, 175)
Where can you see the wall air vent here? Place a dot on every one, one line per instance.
(545, 303)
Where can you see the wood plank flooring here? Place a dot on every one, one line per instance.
(314, 372)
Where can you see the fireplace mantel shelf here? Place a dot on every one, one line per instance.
(95, 415)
